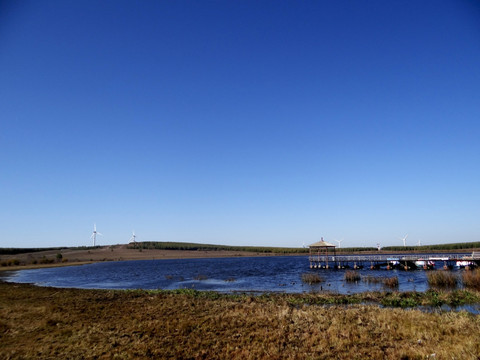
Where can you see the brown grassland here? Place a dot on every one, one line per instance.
(41, 323)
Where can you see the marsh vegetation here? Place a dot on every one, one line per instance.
(311, 278)
(442, 279)
(45, 323)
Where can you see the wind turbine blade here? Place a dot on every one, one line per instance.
(99, 233)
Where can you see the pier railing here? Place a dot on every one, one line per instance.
(319, 259)
(397, 257)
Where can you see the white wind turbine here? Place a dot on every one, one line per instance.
(419, 243)
(94, 234)
(404, 239)
(339, 242)
(133, 237)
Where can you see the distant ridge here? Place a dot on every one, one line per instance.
(161, 245)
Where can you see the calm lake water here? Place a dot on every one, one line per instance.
(242, 274)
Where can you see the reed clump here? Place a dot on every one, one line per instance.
(352, 276)
(471, 279)
(391, 282)
(311, 278)
(442, 279)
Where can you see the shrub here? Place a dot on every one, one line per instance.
(44, 260)
(11, 262)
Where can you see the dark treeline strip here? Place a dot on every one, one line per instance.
(211, 247)
(16, 251)
(452, 246)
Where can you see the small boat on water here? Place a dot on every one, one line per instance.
(423, 263)
(464, 263)
(393, 261)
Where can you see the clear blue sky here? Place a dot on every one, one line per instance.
(239, 122)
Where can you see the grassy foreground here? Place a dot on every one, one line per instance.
(38, 322)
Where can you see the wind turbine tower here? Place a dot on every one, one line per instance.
(94, 234)
(133, 237)
(404, 239)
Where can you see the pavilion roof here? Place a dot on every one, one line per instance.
(322, 243)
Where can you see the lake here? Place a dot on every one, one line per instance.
(239, 274)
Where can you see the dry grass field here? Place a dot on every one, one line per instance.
(47, 323)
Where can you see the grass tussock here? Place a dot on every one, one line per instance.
(69, 323)
(311, 278)
(442, 279)
(352, 276)
(391, 282)
(471, 279)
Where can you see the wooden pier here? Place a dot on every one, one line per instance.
(394, 261)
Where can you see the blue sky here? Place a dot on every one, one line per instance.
(239, 122)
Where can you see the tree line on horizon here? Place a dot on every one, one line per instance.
(210, 247)
(17, 251)
(158, 245)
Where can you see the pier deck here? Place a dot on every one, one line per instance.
(390, 261)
